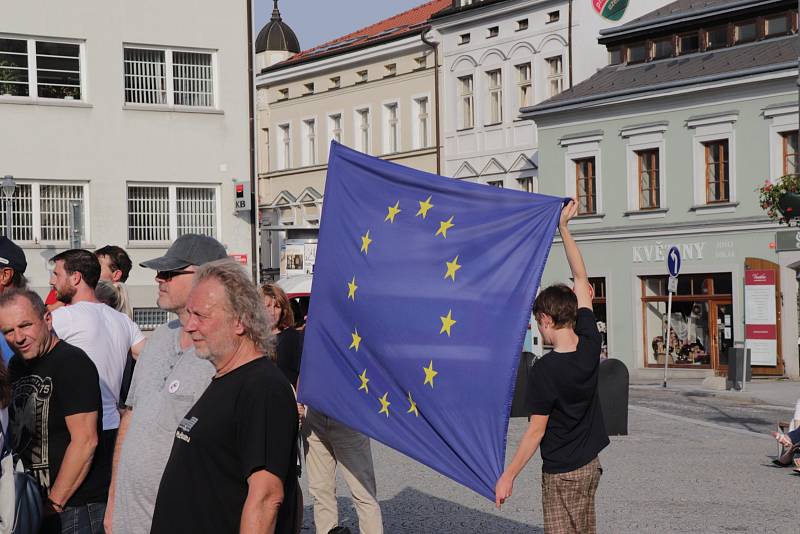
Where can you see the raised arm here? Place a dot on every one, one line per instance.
(582, 288)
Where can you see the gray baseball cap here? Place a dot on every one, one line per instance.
(188, 249)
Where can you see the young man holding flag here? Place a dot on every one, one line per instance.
(566, 419)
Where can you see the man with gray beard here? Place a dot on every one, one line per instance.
(232, 467)
(167, 380)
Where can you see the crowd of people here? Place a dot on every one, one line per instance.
(194, 429)
(197, 428)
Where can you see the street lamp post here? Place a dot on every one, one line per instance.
(8, 186)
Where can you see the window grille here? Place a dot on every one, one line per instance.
(151, 318)
(148, 213)
(192, 79)
(196, 210)
(55, 210)
(168, 77)
(21, 213)
(56, 65)
(145, 76)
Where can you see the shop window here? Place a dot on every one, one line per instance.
(717, 178)
(586, 186)
(701, 324)
(661, 48)
(790, 160)
(745, 32)
(599, 308)
(688, 43)
(717, 37)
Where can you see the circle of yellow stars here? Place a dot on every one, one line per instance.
(447, 321)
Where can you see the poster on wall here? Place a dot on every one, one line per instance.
(295, 260)
(610, 9)
(309, 257)
(760, 317)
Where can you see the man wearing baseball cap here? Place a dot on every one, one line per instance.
(12, 269)
(167, 381)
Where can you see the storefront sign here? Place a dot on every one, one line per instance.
(760, 317)
(657, 252)
(787, 240)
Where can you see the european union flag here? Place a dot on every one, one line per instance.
(423, 287)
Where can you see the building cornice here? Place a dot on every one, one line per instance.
(347, 60)
(703, 83)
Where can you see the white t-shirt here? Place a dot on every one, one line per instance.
(105, 335)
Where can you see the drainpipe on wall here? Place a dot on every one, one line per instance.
(435, 48)
(254, 248)
(569, 41)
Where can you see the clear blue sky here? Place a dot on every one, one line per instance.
(318, 21)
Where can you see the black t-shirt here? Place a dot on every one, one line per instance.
(46, 390)
(244, 422)
(290, 350)
(563, 385)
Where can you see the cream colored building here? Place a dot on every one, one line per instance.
(373, 90)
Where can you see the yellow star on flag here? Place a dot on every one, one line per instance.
(447, 322)
(452, 267)
(424, 206)
(364, 380)
(384, 404)
(356, 340)
(444, 226)
(365, 241)
(413, 409)
(393, 210)
(429, 374)
(351, 288)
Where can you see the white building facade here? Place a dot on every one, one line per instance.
(500, 56)
(138, 124)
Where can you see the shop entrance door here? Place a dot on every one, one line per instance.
(722, 339)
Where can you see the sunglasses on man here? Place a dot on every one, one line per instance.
(169, 275)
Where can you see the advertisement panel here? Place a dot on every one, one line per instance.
(760, 317)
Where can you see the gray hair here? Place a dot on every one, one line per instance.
(10, 295)
(244, 301)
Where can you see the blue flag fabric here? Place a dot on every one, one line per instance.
(423, 287)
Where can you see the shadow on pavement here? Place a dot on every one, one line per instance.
(414, 512)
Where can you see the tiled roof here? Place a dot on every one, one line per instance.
(681, 7)
(386, 30)
(619, 80)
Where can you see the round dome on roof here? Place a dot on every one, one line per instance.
(276, 35)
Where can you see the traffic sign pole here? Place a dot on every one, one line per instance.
(674, 268)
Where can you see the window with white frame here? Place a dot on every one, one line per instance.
(364, 130)
(335, 127)
(166, 212)
(310, 142)
(391, 136)
(782, 121)
(714, 165)
(466, 101)
(495, 183)
(39, 68)
(645, 149)
(583, 174)
(167, 77)
(422, 123)
(42, 211)
(284, 146)
(586, 186)
(555, 75)
(495, 83)
(526, 184)
(789, 159)
(524, 88)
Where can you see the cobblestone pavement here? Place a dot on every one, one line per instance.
(691, 463)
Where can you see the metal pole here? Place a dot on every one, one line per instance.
(667, 339)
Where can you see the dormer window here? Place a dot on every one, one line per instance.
(716, 37)
(745, 32)
(688, 43)
(637, 53)
(661, 48)
(776, 25)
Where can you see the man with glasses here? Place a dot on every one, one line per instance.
(167, 381)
